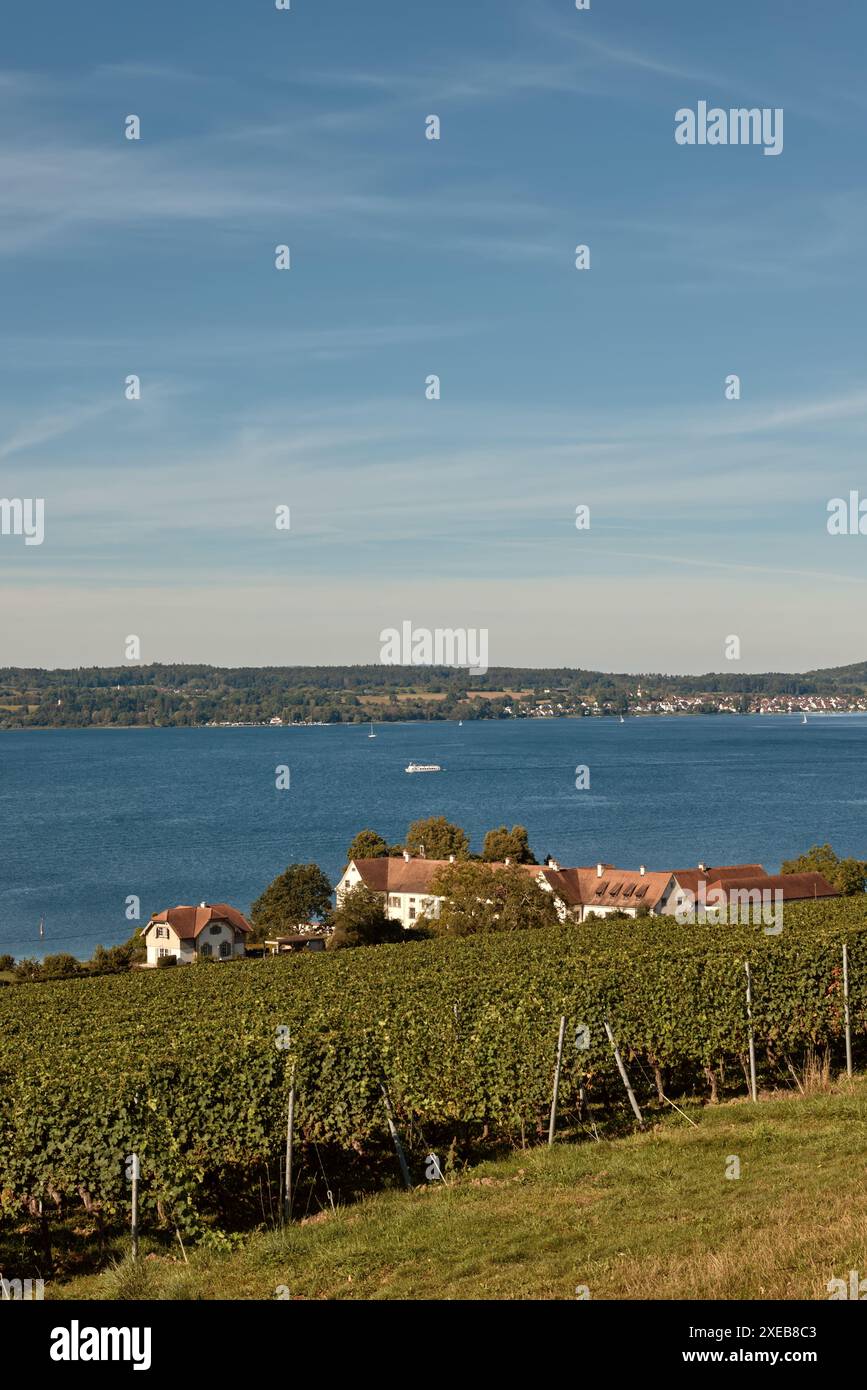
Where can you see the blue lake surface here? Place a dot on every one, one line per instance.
(89, 817)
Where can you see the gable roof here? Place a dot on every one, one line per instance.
(585, 887)
(387, 875)
(792, 886)
(187, 922)
(621, 888)
(564, 884)
(690, 878)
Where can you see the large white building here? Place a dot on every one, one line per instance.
(404, 883)
(581, 893)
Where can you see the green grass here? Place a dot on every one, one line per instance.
(650, 1216)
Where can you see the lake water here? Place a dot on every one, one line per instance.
(88, 817)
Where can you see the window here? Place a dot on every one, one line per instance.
(225, 949)
(394, 900)
(160, 931)
(411, 913)
(164, 951)
(215, 929)
(206, 949)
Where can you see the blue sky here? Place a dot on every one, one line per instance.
(412, 257)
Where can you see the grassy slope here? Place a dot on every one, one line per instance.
(652, 1216)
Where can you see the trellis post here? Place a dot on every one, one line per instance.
(401, 1156)
(752, 1040)
(624, 1077)
(553, 1117)
(290, 1144)
(846, 1017)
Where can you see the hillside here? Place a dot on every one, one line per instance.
(191, 1068)
(183, 695)
(648, 1217)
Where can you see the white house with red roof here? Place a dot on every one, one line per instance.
(213, 931)
(584, 893)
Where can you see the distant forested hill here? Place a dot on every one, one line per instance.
(159, 695)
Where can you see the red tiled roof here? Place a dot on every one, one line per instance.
(792, 886)
(416, 875)
(187, 922)
(715, 873)
(564, 883)
(584, 887)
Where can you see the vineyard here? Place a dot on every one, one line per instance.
(191, 1068)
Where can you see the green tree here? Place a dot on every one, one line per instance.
(115, 959)
(846, 875)
(438, 837)
(28, 969)
(360, 920)
(367, 845)
(302, 891)
(482, 899)
(60, 966)
(511, 844)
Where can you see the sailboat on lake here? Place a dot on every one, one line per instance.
(371, 734)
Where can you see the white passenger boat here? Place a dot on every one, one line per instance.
(423, 767)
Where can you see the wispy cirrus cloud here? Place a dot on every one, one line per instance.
(57, 424)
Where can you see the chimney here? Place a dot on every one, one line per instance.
(552, 864)
(702, 868)
(641, 870)
(203, 904)
(407, 856)
(599, 868)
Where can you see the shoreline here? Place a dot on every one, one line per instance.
(383, 723)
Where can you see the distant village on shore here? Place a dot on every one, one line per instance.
(550, 707)
(137, 695)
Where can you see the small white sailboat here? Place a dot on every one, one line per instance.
(622, 720)
(41, 928)
(804, 720)
(371, 734)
